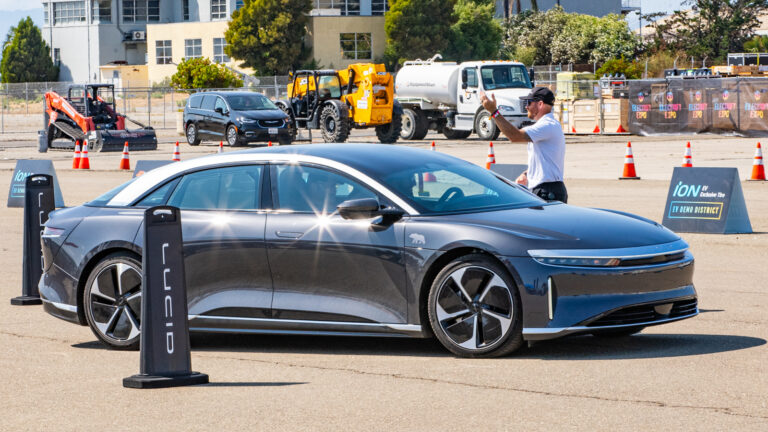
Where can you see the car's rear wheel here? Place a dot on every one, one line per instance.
(474, 308)
(112, 301)
(192, 136)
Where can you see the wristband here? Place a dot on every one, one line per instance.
(495, 114)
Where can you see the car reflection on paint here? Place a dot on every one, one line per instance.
(368, 240)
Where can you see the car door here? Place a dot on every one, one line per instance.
(469, 98)
(225, 258)
(219, 120)
(324, 267)
(206, 116)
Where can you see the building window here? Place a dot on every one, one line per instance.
(185, 6)
(219, 56)
(163, 51)
(239, 4)
(102, 12)
(379, 7)
(57, 56)
(45, 13)
(218, 9)
(346, 7)
(141, 10)
(69, 12)
(193, 48)
(356, 46)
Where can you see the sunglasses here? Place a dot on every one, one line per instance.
(530, 101)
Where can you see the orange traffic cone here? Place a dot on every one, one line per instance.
(687, 159)
(758, 169)
(597, 129)
(573, 129)
(76, 157)
(429, 177)
(629, 165)
(84, 162)
(433, 146)
(221, 146)
(125, 162)
(621, 129)
(269, 144)
(176, 154)
(491, 157)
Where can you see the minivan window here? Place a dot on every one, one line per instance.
(194, 101)
(248, 102)
(221, 104)
(208, 102)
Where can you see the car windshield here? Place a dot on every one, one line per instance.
(504, 76)
(103, 199)
(457, 188)
(250, 102)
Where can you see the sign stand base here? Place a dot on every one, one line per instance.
(26, 301)
(141, 381)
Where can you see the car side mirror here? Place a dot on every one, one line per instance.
(530, 75)
(219, 110)
(364, 208)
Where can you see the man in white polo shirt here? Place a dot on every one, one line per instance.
(546, 144)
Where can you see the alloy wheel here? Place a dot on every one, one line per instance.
(232, 136)
(474, 308)
(114, 301)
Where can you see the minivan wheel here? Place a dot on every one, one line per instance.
(232, 139)
(474, 308)
(192, 136)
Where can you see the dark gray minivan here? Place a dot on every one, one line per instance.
(237, 118)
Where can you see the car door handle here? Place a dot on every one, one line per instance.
(289, 234)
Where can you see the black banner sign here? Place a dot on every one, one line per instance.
(706, 200)
(39, 202)
(165, 353)
(25, 168)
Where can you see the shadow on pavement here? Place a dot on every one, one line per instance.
(639, 346)
(250, 384)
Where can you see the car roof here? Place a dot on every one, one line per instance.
(228, 93)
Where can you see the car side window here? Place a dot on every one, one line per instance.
(230, 188)
(472, 77)
(195, 101)
(310, 189)
(158, 196)
(208, 102)
(220, 104)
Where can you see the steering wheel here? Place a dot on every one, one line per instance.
(450, 194)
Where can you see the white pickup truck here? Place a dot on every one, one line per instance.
(445, 96)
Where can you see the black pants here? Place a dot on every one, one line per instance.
(551, 191)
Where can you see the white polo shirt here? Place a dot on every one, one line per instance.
(546, 151)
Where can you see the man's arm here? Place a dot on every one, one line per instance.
(512, 133)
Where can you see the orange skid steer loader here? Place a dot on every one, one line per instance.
(88, 114)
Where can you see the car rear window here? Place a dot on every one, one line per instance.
(208, 102)
(195, 101)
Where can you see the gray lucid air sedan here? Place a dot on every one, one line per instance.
(367, 240)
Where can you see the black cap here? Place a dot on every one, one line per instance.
(541, 94)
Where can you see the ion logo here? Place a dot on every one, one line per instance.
(168, 306)
(684, 190)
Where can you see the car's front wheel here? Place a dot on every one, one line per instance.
(112, 301)
(474, 308)
(232, 139)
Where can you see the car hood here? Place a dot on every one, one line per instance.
(512, 232)
(271, 114)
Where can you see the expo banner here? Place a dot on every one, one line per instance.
(727, 106)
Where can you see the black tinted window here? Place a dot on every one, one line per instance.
(159, 196)
(310, 189)
(220, 104)
(195, 101)
(231, 188)
(208, 102)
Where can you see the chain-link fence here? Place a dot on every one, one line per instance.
(22, 104)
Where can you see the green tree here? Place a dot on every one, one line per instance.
(26, 56)
(267, 35)
(630, 69)
(476, 35)
(758, 44)
(201, 73)
(418, 29)
(710, 28)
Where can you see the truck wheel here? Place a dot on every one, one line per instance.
(192, 137)
(333, 127)
(414, 125)
(485, 126)
(453, 134)
(390, 132)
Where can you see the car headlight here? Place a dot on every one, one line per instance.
(246, 120)
(580, 262)
(51, 232)
(506, 109)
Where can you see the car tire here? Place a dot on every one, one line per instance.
(285, 140)
(474, 308)
(414, 125)
(232, 139)
(618, 333)
(453, 134)
(114, 312)
(333, 128)
(193, 138)
(485, 126)
(390, 132)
